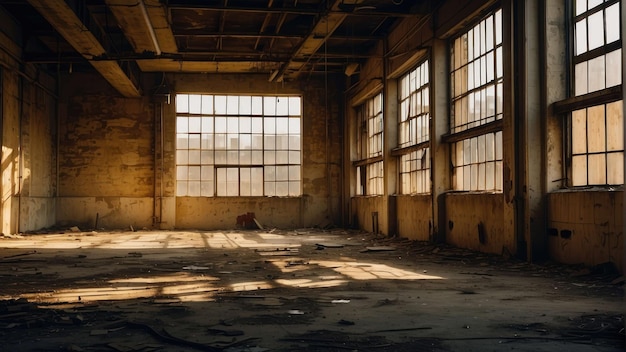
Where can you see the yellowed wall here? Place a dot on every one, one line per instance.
(414, 215)
(107, 163)
(362, 213)
(222, 212)
(586, 227)
(464, 213)
(28, 138)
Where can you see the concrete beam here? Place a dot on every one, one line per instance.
(145, 25)
(133, 18)
(65, 21)
(158, 17)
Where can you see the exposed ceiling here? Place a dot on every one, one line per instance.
(283, 38)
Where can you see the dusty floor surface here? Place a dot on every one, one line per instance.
(298, 290)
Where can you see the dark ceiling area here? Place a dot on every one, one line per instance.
(283, 38)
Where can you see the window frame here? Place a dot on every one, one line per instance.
(413, 170)
(467, 133)
(581, 103)
(369, 144)
(250, 121)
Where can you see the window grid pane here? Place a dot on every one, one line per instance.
(369, 144)
(597, 145)
(596, 136)
(476, 72)
(476, 163)
(477, 99)
(230, 145)
(414, 128)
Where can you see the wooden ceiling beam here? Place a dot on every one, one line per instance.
(73, 30)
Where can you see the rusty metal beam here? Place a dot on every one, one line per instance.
(288, 10)
(73, 30)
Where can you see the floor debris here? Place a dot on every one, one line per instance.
(232, 291)
(378, 249)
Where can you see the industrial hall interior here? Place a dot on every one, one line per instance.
(318, 175)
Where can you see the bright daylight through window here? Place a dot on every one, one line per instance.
(477, 100)
(413, 131)
(369, 171)
(229, 145)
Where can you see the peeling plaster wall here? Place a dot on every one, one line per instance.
(465, 211)
(222, 212)
(106, 157)
(586, 227)
(414, 217)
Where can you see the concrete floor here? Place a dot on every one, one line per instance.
(278, 290)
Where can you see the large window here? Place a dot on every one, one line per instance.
(597, 141)
(414, 131)
(369, 172)
(477, 106)
(229, 145)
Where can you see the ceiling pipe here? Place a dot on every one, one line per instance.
(146, 18)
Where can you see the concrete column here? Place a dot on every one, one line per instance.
(512, 206)
(624, 115)
(532, 136)
(390, 164)
(349, 172)
(439, 125)
(168, 202)
(553, 76)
